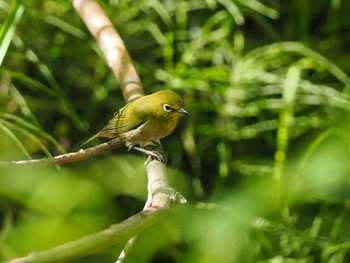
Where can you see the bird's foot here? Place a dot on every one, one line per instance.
(129, 145)
(158, 154)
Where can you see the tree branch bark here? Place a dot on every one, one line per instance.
(69, 157)
(113, 47)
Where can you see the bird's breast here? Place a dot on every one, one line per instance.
(153, 129)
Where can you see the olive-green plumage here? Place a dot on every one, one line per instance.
(146, 119)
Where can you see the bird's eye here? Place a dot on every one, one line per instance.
(167, 107)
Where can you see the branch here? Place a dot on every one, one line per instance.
(69, 157)
(115, 234)
(112, 45)
(161, 195)
(159, 192)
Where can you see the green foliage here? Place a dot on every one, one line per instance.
(264, 156)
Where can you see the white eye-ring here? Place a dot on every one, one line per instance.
(167, 107)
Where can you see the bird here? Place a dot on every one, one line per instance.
(144, 120)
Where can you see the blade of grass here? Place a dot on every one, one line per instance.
(260, 8)
(286, 119)
(66, 27)
(313, 147)
(67, 109)
(13, 137)
(160, 9)
(233, 10)
(18, 98)
(293, 47)
(32, 128)
(5, 6)
(5, 124)
(9, 27)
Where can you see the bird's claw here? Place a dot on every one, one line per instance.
(158, 154)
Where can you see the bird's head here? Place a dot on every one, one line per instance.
(168, 103)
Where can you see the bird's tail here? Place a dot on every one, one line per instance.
(92, 138)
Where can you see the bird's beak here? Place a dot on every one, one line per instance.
(183, 111)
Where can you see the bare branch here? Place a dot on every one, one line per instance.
(112, 46)
(69, 157)
(159, 192)
(115, 234)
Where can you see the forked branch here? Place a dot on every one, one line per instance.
(160, 194)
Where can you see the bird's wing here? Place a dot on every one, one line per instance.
(124, 120)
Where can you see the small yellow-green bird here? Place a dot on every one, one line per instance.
(145, 120)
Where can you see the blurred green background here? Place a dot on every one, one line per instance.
(263, 160)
